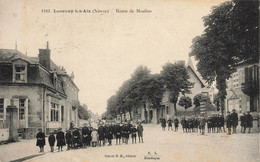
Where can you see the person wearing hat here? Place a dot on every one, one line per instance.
(40, 136)
(243, 122)
(76, 138)
(169, 122)
(68, 137)
(249, 121)
(118, 132)
(229, 122)
(202, 124)
(163, 124)
(85, 132)
(51, 140)
(60, 139)
(221, 121)
(234, 119)
(133, 133)
(101, 134)
(140, 130)
(176, 124)
(184, 124)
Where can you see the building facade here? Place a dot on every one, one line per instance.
(45, 95)
(243, 88)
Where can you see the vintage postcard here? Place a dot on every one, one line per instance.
(129, 80)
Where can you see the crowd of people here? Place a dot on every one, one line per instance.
(215, 123)
(88, 136)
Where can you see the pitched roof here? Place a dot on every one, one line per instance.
(190, 62)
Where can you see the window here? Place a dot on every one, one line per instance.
(1, 108)
(20, 73)
(54, 112)
(21, 109)
(167, 109)
(62, 113)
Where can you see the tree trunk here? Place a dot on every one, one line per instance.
(222, 106)
(175, 108)
(130, 115)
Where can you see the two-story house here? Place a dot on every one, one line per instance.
(45, 95)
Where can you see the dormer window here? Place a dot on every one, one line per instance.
(19, 71)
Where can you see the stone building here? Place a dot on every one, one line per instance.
(243, 88)
(45, 95)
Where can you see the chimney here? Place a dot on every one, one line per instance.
(45, 57)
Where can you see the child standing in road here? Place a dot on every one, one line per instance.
(94, 135)
(51, 140)
(140, 132)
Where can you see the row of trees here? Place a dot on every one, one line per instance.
(145, 88)
(231, 36)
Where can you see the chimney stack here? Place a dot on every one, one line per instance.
(45, 57)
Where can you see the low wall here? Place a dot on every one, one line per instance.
(4, 134)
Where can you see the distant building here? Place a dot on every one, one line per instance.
(167, 108)
(243, 88)
(45, 95)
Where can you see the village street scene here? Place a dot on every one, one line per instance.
(112, 88)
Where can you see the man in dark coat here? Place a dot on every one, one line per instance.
(229, 122)
(101, 134)
(127, 131)
(163, 124)
(195, 124)
(51, 140)
(68, 137)
(40, 136)
(184, 124)
(60, 139)
(169, 122)
(243, 122)
(133, 133)
(118, 131)
(176, 124)
(85, 133)
(140, 130)
(202, 124)
(249, 121)
(209, 124)
(76, 138)
(89, 138)
(110, 134)
(234, 120)
(222, 122)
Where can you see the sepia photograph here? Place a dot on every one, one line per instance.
(129, 80)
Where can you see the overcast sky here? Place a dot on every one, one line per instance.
(103, 49)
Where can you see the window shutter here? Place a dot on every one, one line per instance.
(26, 113)
(6, 103)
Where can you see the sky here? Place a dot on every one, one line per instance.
(103, 49)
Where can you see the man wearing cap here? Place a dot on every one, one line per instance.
(202, 124)
(60, 139)
(68, 137)
(234, 120)
(229, 122)
(243, 122)
(40, 140)
(51, 140)
(140, 130)
(249, 121)
(118, 131)
(101, 134)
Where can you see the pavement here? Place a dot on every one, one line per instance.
(158, 146)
